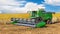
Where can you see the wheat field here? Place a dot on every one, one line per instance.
(8, 16)
(57, 15)
(24, 15)
(14, 29)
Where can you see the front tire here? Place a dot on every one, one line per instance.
(38, 19)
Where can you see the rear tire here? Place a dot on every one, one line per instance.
(48, 21)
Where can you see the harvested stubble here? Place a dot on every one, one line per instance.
(4, 21)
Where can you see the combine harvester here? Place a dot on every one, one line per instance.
(37, 19)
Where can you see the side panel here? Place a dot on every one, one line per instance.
(40, 24)
(47, 16)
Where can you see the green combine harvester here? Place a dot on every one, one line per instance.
(38, 19)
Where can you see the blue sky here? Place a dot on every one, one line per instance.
(52, 8)
(36, 1)
(48, 7)
(23, 6)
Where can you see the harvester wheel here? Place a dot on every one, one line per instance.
(48, 21)
(38, 19)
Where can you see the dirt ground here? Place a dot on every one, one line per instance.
(13, 29)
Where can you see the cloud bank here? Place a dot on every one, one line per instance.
(53, 2)
(13, 6)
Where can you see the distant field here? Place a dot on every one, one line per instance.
(8, 16)
(26, 15)
(5, 18)
(56, 15)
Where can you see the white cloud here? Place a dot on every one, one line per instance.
(33, 6)
(10, 2)
(12, 6)
(53, 2)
